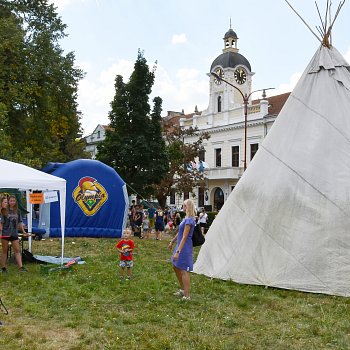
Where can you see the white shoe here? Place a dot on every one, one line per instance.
(186, 298)
(179, 293)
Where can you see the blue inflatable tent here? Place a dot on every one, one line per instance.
(97, 200)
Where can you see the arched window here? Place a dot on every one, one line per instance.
(218, 199)
(219, 104)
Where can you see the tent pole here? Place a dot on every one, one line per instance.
(62, 193)
(29, 219)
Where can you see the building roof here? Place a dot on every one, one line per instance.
(230, 59)
(276, 103)
(230, 33)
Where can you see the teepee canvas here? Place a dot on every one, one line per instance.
(287, 222)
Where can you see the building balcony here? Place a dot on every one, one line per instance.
(223, 173)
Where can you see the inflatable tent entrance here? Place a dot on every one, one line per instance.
(97, 200)
(19, 176)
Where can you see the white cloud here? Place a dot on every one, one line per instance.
(185, 74)
(95, 95)
(288, 87)
(185, 91)
(179, 39)
(282, 88)
(122, 67)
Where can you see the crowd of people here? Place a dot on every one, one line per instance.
(156, 221)
(143, 222)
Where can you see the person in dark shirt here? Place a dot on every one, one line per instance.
(10, 222)
(159, 224)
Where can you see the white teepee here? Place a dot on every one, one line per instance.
(287, 222)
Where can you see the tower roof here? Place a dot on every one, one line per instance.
(230, 34)
(230, 60)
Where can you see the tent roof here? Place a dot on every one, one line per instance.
(14, 175)
(286, 223)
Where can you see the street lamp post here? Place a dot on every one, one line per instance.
(245, 102)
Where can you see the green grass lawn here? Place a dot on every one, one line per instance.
(88, 307)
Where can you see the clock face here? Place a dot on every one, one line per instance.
(220, 73)
(240, 76)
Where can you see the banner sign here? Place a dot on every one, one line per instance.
(36, 198)
(50, 196)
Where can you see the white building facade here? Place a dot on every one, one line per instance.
(227, 152)
(92, 140)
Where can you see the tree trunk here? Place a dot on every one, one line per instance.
(162, 201)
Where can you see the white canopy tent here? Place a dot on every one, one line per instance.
(286, 224)
(19, 176)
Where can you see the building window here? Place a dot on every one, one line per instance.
(201, 155)
(235, 156)
(186, 195)
(98, 134)
(218, 157)
(218, 199)
(200, 196)
(253, 149)
(172, 197)
(219, 104)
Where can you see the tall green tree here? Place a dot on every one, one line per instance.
(180, 155)
(39, 85)
(134, 146)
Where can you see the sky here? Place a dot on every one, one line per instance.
(184, 37)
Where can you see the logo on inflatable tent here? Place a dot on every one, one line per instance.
(90, 195)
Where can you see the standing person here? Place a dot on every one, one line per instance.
(166, 215)
(159, 223)
(203, 218)
(125, 247)
(177, 220)
(10, 222)
(132, 213)
(151, 213)
(145, 226)
(138, 217)
(182, 257)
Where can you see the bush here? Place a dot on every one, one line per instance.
(211, 217)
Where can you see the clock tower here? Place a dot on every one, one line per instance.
(236, 69)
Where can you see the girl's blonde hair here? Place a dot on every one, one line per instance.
(190, 208)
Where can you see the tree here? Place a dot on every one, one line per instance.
(133, 145)
(181, 154)
(39, 85)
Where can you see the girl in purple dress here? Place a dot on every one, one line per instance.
(182, 257)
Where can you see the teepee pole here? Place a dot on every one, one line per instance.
(319, 15)
(329, 31)
(326, 16)
(327, 24)
(304, 21)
